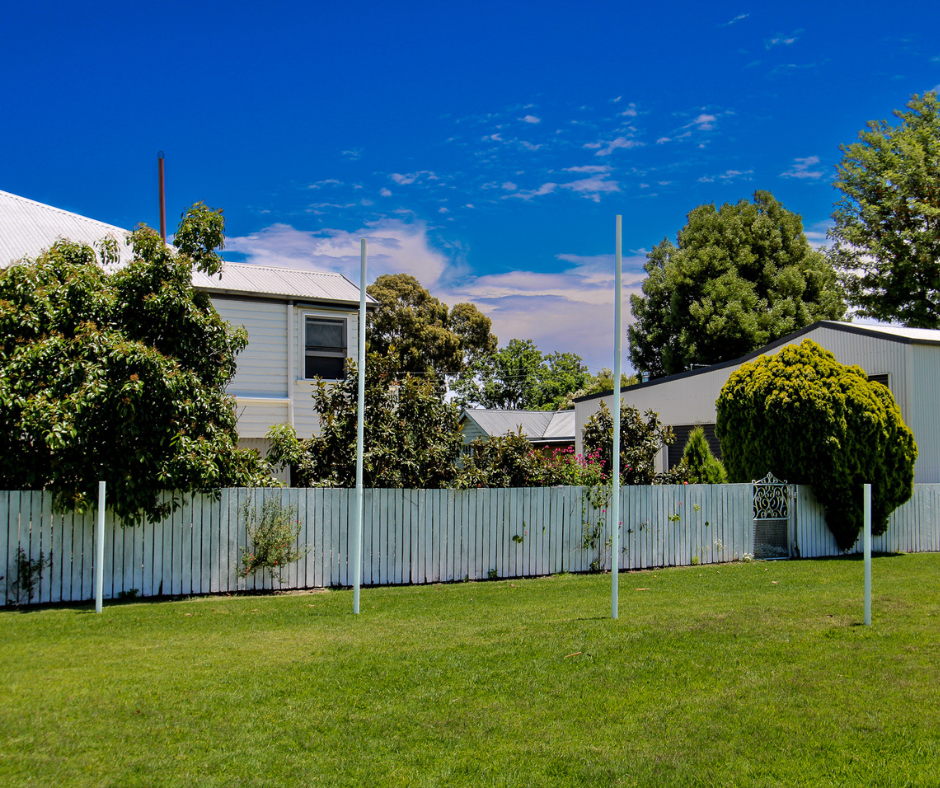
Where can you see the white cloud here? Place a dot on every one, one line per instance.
(661, 140)
(781, 39)
(727, 176)
(545, 188)
(509, 186)
(532, 119)
(593, 187)
(385, 192)
(327, 182)
(616, 100)
(816, 233)
(411, 177)
(630, 111)
(469, 205)
(442, 209)
(801, 169)
(606, 148)
(493, 138)
(353, 154)
(589, 168)
(395, 246)
(705, 122)
(738, 18)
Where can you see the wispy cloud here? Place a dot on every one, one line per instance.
(629, 112)
(801, 169)
(790, 68)
(589, 168)
(531, 119)
(738, 18)
(727, 176)
(411, 177)
(326, 182)
(385, 192)
(781, 39)
(545, 188)
(704, 122)
(355, 153)
(608, 147)
(593, 187)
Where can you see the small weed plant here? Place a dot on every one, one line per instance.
(272, 539)
(28, 575)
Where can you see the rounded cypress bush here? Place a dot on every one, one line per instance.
(704, 467)
(806, 418)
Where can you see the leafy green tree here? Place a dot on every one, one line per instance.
(412, 435)
(600, 383)
(418, 332)
(887, 223)
(806, 418)
(641, 440)
(738, 277)
(519, 376)
(120, 377)
(704, 467)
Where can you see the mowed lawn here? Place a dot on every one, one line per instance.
(743, 674)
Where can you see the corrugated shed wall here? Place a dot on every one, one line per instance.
(925, 417)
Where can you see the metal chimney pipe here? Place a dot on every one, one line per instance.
(162, 196)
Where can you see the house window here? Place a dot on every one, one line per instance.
(882, 379)
(324, 348)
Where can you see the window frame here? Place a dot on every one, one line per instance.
(305, 350)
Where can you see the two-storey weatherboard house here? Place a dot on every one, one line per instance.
(301, 324)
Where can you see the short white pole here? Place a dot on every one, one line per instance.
(615, 454)
(99, 551)
(360, 428)
(867, 547)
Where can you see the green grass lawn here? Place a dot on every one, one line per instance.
(743, 674)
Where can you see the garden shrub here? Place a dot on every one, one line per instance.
(641, 439)
(704, 467)
(272, 537)
(808, 419)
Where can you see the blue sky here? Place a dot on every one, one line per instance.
(484, 147)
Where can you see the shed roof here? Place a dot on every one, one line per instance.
(28, 227)
(907, 336)
(543, 426)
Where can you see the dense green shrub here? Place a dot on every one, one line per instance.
(704, 467)
(503, 461)
(641, 439)
(806, 418)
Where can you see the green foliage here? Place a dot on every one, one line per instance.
(811, 420)
(704, 467)
(520, 377)
(739, 277)
(641, 439)
(28, 576)
(887, 223)
(419, 334)
(272, 537)
(411, 436)
(503, 461)
(120, 376)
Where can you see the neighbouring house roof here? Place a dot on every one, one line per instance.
(539, 426)
(907, 336)
(28, 227)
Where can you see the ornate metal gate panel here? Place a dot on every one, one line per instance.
(773, 508)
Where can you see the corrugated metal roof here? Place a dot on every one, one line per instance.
(536, 424)
(28, 227)
(242, 278)
(915, 334)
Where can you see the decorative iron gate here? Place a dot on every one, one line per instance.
(772, 516)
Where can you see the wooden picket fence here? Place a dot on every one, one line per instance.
(414, 537)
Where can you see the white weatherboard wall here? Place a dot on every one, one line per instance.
(260, 384)
(417, 536)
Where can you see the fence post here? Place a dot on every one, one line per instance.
(99, 551)
(867, 547)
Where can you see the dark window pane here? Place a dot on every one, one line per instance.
(326, 367)
(326, 334)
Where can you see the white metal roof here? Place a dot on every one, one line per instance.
(915, 334)
(28, 227)
(538, 425)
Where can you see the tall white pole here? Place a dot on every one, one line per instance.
(867, 547)
(615, 471)
(360, 428)
(99, 551)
